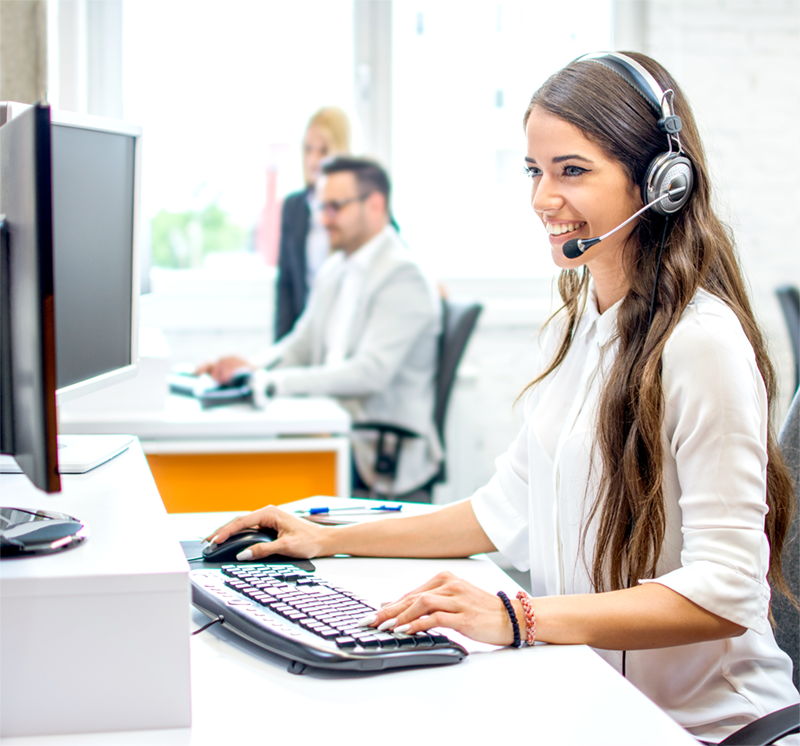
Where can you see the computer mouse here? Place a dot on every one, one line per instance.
(237, 380)
(238, 542)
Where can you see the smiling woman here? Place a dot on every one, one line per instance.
(579, 191)
(645, 492)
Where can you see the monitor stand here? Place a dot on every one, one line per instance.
(78, 454)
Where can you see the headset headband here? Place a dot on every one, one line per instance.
(640, 79)
(669, 178)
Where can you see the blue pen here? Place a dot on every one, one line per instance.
(385, 508)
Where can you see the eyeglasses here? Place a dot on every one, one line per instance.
(333, 207)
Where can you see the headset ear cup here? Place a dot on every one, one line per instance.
(665, 172)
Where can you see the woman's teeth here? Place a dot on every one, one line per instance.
(557, 230)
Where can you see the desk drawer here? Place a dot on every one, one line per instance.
(203, 482)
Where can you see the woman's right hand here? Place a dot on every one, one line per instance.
(297, 537)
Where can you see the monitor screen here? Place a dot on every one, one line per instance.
(93, 239)
(96, 184)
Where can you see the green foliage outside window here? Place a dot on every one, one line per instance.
(181, 240)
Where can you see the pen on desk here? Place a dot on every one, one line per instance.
(383, 508)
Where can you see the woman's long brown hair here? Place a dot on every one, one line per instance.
(699, 253)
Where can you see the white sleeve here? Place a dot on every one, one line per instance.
(716, 423)
(502, 507)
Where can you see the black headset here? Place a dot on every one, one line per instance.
(668, 171)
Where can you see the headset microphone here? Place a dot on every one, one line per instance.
(576, 246)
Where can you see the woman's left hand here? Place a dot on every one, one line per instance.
(449, 601)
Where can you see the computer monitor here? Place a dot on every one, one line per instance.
(96, 188)
(96, 166)
(28, 425)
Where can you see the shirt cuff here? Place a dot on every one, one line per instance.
(722, 591)
(263, 387)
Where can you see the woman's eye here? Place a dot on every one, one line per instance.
(573, 170)
(531, 171)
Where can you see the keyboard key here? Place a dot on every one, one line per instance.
(423, 639)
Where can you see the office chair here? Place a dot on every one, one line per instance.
(789, 298)
(458, 323)
(770, 728)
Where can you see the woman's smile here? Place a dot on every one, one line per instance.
(556, 230)
(578, 191)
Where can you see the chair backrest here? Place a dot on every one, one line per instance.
(787, 617)
(789, 297)
(458, 323)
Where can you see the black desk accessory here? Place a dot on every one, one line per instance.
(210, 393)
(28, 533)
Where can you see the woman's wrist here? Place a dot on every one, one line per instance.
(329, 541)
(341, 540)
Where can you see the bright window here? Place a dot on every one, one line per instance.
(464, 73)
(223, 92)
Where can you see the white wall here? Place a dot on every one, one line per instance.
(737, 62)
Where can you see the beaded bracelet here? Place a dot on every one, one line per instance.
(512, 616)
(530, 617)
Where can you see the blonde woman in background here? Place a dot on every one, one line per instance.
(304, 244)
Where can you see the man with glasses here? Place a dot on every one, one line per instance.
(369, 333)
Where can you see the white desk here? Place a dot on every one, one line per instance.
(234, 457)
(96, 636)
(548, 695)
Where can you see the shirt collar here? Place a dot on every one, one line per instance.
(602, 325)
(362, 258)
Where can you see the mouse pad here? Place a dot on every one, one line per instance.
(194, 553)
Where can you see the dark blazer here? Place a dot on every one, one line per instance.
(292, 290)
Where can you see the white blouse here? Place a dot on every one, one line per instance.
(715, 552)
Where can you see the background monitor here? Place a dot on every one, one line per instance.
(96, 203)
(96, 166)
(28, 426)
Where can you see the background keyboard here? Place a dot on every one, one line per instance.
(299, 615)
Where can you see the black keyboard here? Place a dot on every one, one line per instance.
(303, 617)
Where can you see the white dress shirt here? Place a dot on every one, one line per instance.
(318, 245)
(715, 552)
(354, 274)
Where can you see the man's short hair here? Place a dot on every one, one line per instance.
(369, 175)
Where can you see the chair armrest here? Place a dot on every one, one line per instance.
(387, 454)
(768, 729)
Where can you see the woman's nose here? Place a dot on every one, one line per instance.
(545, 194)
